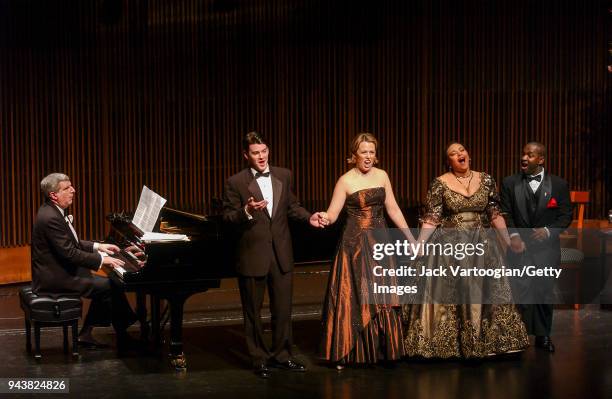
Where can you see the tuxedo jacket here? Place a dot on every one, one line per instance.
(264, 236)
(61, 264)
(553, 211)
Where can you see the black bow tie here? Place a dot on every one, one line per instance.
(536, 178)
(260, 174)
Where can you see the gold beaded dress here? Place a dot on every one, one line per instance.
(471, 330)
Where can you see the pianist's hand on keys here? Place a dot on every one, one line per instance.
(112, 262)
(109, 249)
(135, 251)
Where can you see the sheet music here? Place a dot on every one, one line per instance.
(149, 206)
(151, 237)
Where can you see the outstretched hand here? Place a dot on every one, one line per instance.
(253, 205)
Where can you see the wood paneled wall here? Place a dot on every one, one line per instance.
(118, 94)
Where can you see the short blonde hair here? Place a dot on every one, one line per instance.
(361, 138)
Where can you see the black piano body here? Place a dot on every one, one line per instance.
(172, 270)
(175, 270)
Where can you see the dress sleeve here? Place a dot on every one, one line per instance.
(493, 208)
(434, 205)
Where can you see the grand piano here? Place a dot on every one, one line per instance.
(173, 271)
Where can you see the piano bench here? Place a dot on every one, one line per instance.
(45, 311)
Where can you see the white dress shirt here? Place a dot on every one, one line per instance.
(265, 185)
(68, 219)
(534, 184)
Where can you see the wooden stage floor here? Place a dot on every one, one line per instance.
(218, 367)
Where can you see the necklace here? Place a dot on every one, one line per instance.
(469, 177)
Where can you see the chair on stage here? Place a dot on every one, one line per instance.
(44, 311)
(572, 258)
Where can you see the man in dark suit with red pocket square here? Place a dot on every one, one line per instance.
(537, 208)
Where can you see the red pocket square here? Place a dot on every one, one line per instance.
(552, 203)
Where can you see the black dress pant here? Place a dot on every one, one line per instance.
(108, 305)
(539, 293)
(280, 290)
(537, 319)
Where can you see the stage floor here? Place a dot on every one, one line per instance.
(218, 367)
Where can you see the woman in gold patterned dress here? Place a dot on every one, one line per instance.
(355, 330)
(465, 202)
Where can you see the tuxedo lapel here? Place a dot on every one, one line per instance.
(520, 196)
(254, 189)
(545, 196)
(277, 190)
(65, 224)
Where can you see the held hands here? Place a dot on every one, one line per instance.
(539, 234)
(410, 249)
(319, 220)
(324, 218)
(408, 234)
(516, 244)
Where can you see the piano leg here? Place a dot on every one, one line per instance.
(141, 313)
(177, 357)
(155, 319)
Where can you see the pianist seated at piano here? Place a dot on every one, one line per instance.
(62, 264)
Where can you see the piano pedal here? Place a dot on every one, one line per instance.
(179, 362)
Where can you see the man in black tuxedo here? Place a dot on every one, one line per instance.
(258, 201)
(537, 205)
(62, 264)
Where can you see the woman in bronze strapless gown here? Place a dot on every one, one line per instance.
(354, 330)
(463, 203)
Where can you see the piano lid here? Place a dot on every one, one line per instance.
(188, 215)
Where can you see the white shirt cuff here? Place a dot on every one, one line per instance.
(547, 231)
(514, 234)
(102, 256)
(249, 216)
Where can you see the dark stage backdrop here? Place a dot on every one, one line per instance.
(118, 94)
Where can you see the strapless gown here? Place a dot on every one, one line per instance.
(355, 331)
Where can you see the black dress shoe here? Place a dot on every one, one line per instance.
(261, 370)
(544, 342)
(290, 365)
